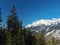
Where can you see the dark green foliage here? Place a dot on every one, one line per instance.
(28, 38)
(9, 38)
(42, 40)
(2, 37)
(39, 39)
(12, 21)
(19, 37)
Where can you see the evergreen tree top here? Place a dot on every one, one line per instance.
(13, 10)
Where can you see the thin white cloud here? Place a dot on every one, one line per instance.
(45, 22)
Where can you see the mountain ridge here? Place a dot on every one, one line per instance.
(44, 22)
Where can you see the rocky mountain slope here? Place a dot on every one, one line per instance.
(48, 27)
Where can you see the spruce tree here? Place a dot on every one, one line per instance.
(13, 24)
(12, 21)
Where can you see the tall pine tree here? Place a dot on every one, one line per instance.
(12, 21)
(13, 24)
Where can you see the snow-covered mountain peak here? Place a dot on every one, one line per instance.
(44, 22)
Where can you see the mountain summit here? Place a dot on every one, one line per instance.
(44, 22)
(44, 25)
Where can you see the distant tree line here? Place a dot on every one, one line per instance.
(16, 34)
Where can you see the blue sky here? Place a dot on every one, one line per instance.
(31, 10)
